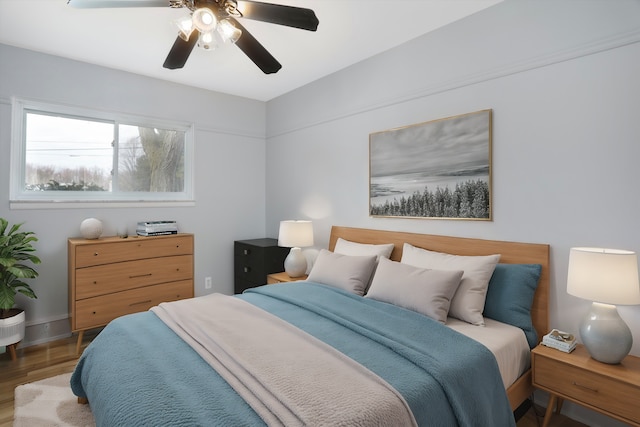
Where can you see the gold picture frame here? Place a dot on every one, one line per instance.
(439, 169)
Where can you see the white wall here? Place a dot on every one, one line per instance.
(229, 171)
(562, 80)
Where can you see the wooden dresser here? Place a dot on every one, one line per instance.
(112, 276)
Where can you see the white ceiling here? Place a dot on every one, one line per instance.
(138, 39)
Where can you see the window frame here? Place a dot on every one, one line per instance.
(19, 198)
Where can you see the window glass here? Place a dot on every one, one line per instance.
(67, 154)
(150, 159)
(64, 154)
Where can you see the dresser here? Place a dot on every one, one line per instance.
(112, 276)
(255, 259)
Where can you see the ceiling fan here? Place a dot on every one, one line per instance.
(215, 21)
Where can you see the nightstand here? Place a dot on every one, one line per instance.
(612, 390)
(254, 259)
(283, 277)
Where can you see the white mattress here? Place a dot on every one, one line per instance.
(508, 344)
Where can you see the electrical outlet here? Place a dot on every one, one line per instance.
(207, 282)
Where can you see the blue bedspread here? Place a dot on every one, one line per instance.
(138, 372)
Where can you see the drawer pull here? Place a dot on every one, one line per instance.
(95, 254)
(247, 269)
(140, 275)
(247, 251)
(594, 390)
(138, 303)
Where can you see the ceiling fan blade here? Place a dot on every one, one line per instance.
(96, 4)
(291, 16)
(180, 51)
(255, 51)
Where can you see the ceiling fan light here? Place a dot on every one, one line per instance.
(204, 19)
(228, 32)
(185, 27)
(207, 41)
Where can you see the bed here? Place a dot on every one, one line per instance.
(284, 354)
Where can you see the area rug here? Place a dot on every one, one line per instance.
(50, 402)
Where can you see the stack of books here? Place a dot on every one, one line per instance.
(559, 340)
(156, 228)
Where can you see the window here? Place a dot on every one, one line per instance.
(76, 155)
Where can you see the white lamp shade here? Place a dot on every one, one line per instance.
(607, 276)
(228, 31)
(295, 234)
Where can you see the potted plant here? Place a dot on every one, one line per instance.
(15, 249)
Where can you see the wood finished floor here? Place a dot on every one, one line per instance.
(58, 357)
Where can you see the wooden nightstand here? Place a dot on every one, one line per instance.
(612, 390)
(283, 277)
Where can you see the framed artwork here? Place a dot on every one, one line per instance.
(438, 169)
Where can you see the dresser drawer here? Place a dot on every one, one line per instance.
(249, 262)
(110, 278)
(590, 388)
(98, 311)
(108, 252)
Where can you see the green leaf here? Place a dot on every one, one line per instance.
(16, 248)
(7, 297)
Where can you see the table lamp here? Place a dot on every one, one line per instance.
(295, 234)
(605, 277)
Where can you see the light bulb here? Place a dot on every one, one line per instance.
(204, 20)
(207, 41)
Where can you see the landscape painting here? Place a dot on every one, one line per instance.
(438, 169)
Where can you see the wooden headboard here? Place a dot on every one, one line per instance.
(510, 253)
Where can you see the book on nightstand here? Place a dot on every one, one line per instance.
(560, 340)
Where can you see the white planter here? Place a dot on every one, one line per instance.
(12, 329)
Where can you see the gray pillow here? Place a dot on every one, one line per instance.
(425, 291)
(351, 273)
(468, 301)
(346, 247)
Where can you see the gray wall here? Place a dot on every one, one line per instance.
(229, 171)
(560, 76)
(562, 80)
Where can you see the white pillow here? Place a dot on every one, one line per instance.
(351, 273)
(468, 301)
(346, 247)
(428, 292)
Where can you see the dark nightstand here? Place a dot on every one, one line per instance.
(254, 260)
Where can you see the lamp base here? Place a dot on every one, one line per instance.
(295, 264)
(605, 335)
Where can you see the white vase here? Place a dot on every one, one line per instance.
(12, 329)
(91, 228)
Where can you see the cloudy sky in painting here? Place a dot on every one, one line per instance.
(441, 147)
